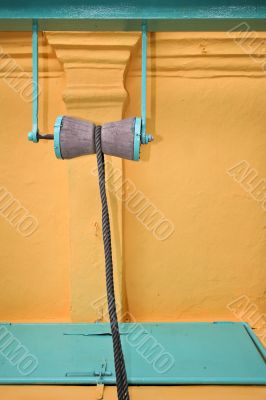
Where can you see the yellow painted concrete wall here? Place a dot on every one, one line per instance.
(34, 268)
(207, 112)
(136, 393)
(206, 109)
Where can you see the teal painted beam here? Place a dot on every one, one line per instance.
(219, 353)
(132, 9)
(170, 15)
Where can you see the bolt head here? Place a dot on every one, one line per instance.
(30, 136)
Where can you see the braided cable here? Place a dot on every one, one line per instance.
(120, 369)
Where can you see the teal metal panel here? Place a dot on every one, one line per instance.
(132, 9)
(57, 127)
(170, 15)
(155, 353)
(137, 136)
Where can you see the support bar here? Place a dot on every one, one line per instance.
(33, 135)
(144, 137)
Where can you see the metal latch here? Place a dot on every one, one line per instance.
(100, 372)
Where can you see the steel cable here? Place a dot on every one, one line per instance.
(120, 369)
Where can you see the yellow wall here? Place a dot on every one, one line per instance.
(206, 110)
(136, 393)
(206, 102)
(34, 269)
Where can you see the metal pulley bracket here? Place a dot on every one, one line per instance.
(140, 129)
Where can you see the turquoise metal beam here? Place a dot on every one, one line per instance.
(109, 15)
(132, 9)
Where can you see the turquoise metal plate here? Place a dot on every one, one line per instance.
(155, 353)
(57, 128)
(137, 135)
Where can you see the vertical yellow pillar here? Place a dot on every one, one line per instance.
(95, 66)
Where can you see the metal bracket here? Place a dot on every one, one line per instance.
(144, 137)
(102, 371)
(33, 135)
